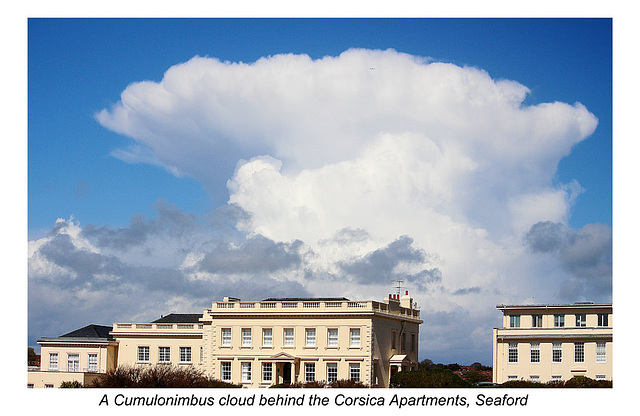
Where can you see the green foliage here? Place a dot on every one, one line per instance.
(575, 382)
(346, 384)
(434, 378)
(580, 381)
(75, 384)
(476, 377)
(159, 376)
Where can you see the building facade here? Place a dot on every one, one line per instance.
(545, 343)
(80, 355)
(260, 343)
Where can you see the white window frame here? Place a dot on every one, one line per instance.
(536, 321)
(513, 353)
(578, 352)
(310, 337)
(354, 338)
(92, 363)
(225, 371)
(332, 372)
(558, 321)
(53, 364)
(601, 351)
(289, 337)
(73, 362)
(332, 337)
(225, 335)
(514, 321)
(164, 354)
(534, 379)
(267, 372)
(535, 352)
(246, 371)
(185, 354)
(354, 372)
(556, 352)
(246, 337)
(143, 354)
(309, 372)
(581, 320)
(267, 337)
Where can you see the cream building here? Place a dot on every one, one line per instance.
(255, 343)
(553, 342)
(80, 355)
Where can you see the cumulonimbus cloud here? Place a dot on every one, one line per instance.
(374, 165)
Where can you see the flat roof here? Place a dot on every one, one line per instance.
(304, 299)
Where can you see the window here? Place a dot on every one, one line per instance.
(534, 379)
(226, 337)
(267, 372)
(601, 352)
(556, 352)
(185, 354)
(393, 340)
(225, 371)
(556, 379)
(267, 337)
(93, 363)
(536, 321)
(246, 372)
(143, 354)
(73, 362)
(201, 354)
(332, 337)
(164, 354)
(603, 319)
(332, 372)
(578, 352)
(535, 352)
(288, 337)
(309, 372)
(413, 342)
(53, 361)
(601, 377)
(581, 319)
(558, 321)
(48, 386)
(509, 378)
(514, 321)
(354, 337)
(354, 372)
(513, 352)
(310, 337)
(403, 342)
(246, 337)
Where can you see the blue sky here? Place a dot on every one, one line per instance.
(537, 231)
(79, 66)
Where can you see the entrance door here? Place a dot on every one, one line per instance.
(286, 373)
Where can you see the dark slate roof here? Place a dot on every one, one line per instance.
(305, 299)
(179, 318)
(90, 331)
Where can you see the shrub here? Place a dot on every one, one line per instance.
(344, 384)
(160, 376)
(435, 378)
(75, 384)
(575, 382)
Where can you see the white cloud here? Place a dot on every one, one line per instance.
(369, 158)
